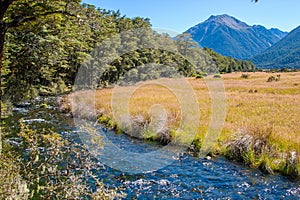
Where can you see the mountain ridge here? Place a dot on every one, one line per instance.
(284, 54)
(231, 37)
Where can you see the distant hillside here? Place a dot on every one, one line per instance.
(284, 54)
(231, 37)
(229, 64)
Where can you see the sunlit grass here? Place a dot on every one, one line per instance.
(262, 109)
(275, 104)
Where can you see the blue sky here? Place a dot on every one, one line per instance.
(179, 15)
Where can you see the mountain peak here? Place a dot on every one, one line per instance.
(227, 21)
(218, 17)
(231, 37)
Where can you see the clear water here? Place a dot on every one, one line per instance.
(187, 178)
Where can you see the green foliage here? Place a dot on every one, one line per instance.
(195, 147)
(229, 64)
(12, 186)
(42, 56)
(48, 167)
(43, 105)
(204, 74)
(217, 76)
(198, 76)
(149, 135)
(108, 122)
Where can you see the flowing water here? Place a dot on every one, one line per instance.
(186, 178)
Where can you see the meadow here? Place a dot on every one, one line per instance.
(261, 127)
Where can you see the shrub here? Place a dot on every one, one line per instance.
(274, 78)
(204, 74)
(253, 91)
(198, 76)
(12, 186)
(245, 76)
(49, 167)
(217, 76)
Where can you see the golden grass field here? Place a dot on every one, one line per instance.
(253, 105)
(268, 112)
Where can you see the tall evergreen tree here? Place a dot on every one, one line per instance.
(15, 13)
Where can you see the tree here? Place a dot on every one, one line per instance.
(186, 44)
(15, 13)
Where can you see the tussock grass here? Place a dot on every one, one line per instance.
(270, 114)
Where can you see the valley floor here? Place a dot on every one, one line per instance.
(261, 128)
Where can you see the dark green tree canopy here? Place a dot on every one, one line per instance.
(44, 43)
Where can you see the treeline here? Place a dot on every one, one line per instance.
(142, 54)
(43, 56)
(229, 64)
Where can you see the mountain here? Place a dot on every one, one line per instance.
(231, 37)
(284, 54)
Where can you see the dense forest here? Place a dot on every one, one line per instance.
(43, 53)
(229, 64)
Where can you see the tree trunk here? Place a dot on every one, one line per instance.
(3, 29)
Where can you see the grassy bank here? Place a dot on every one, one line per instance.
(261, 129)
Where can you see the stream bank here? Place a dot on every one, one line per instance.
(254, 151)
(189, 178)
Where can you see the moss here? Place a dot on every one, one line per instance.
(277, 164)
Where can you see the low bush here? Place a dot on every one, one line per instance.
(245, 76)
(43, 165)
(274, 78)
(198, 76)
